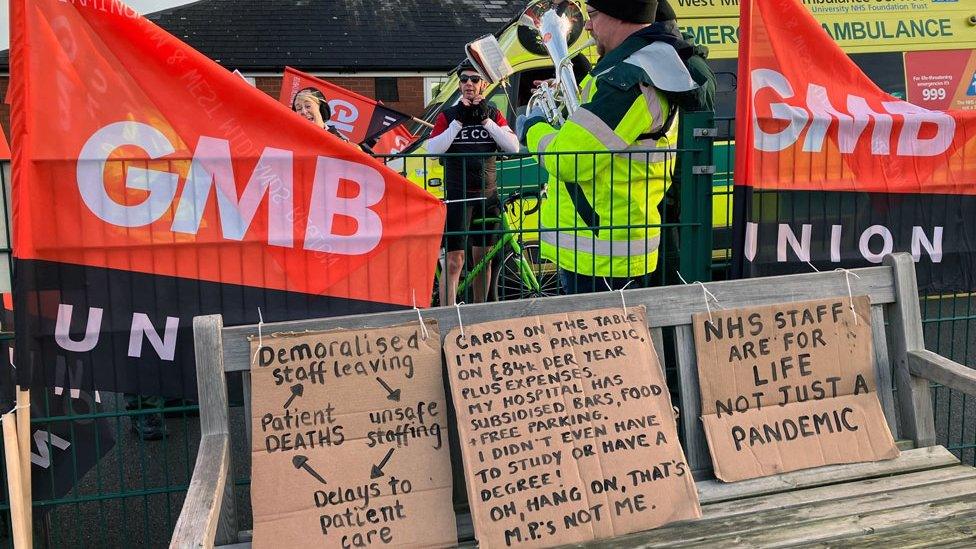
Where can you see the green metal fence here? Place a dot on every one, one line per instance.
(132, 496)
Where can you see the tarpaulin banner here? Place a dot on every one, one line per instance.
(831, 170)
(359, 118)
(151, 185)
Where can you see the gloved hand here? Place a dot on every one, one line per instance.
(525, 121)
(520, 128)
(480, 111)
(470, 115)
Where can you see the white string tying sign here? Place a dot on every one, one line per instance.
(850, 292)
(460, 324)
(260, 335)
(424, 333)
(707, 295)
(623, 302)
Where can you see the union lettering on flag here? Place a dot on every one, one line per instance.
(831, 170)
(359, 118)
(152, 185)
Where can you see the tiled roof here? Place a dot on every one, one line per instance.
(334, 35)
(356, 35)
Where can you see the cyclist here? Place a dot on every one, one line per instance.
(473, 125)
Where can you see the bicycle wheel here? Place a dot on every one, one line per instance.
(509, 279)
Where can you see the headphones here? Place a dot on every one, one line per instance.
(324, 108)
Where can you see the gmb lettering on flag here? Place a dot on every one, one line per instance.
(152, 185)
(833, 171)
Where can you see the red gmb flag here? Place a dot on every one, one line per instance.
(394, 141)
(832, 170)
(151, 184)
(4, 147)
(357, 117)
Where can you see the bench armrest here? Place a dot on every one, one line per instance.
(937, 368)
(197, 525)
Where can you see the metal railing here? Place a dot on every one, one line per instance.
(131, 496)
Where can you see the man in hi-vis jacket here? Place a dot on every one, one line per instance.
(600, 223)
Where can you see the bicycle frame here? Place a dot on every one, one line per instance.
(508, 238)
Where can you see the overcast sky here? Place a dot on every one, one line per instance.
(142, 6)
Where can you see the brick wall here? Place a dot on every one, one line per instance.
(410, 90)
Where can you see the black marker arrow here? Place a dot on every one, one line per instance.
(301, 462)
(296, 391)
(394, 395)
(377, 471)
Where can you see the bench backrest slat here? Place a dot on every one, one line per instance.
(668, 306)
(696, 448)
(905, 324)
(882, 368)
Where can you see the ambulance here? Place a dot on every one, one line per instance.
(923, 51)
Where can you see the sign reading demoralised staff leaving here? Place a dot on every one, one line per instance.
(349, 440)
(789, 387)
(859, 26)
(566, 429)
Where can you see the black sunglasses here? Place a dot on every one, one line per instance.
(464, 78)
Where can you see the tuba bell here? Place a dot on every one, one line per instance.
(560, 94)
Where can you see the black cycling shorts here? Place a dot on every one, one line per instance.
(463, 219)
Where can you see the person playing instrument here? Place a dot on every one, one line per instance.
(473, 125)
(600, 223)
(701, 98)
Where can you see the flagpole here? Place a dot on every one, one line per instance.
(24, 437)
(18, 520)
(422, 122)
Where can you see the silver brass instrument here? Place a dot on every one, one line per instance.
(562, 92)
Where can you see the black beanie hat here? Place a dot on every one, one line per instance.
(664, 11)
(632, 11)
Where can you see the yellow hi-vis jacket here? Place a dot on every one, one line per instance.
(604, 206)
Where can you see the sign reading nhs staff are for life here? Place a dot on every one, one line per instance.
(154, 185)
(832, 171)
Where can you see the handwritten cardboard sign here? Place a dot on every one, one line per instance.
(349, 440)
(789, 387)
(566, 429)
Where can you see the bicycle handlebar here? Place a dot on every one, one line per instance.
(519, 195)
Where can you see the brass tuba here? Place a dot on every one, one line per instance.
(554, 28)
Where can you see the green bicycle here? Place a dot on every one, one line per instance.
(523, 272)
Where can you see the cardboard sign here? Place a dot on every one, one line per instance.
(349, 440)
(566, 429)
(789, 387)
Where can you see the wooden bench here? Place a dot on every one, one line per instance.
(924, 495)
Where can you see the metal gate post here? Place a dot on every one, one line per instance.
(698, 133)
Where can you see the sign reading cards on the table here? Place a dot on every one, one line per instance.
(566, 429)
(790, 386)
(349, 440)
